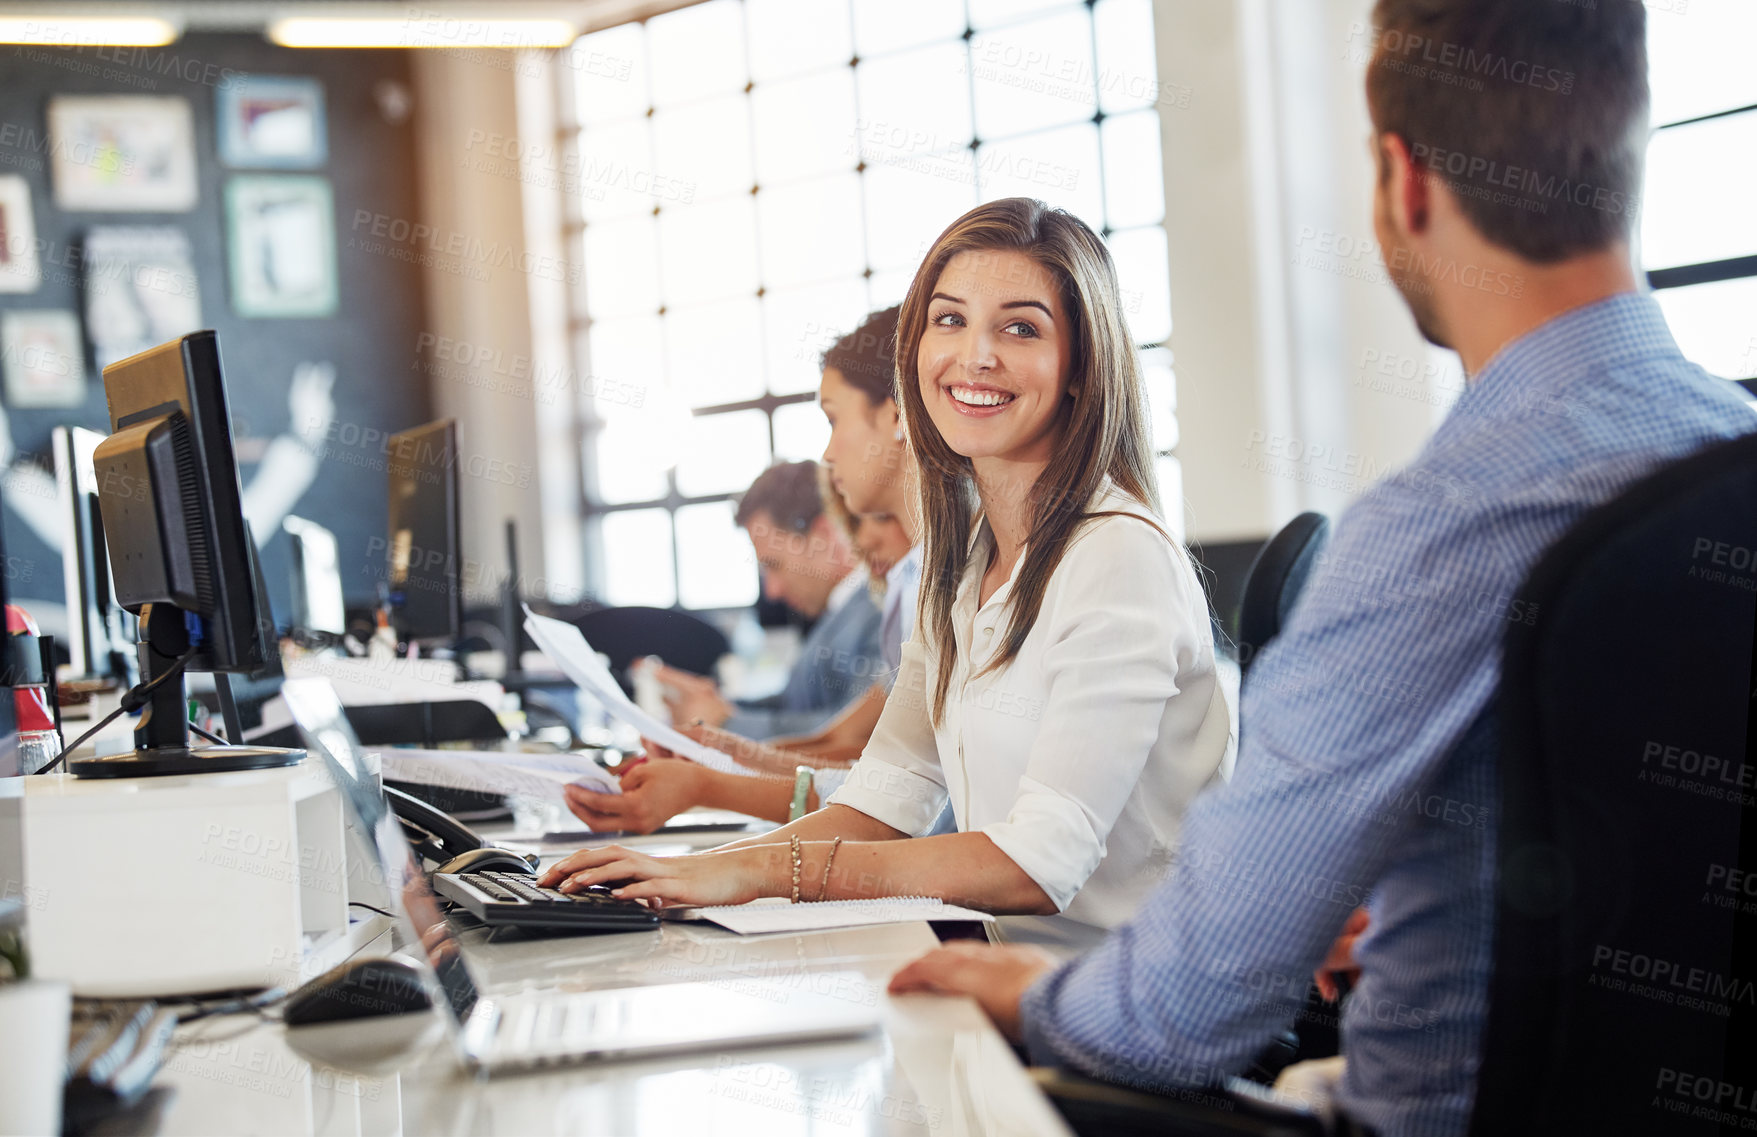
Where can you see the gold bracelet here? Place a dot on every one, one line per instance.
(823, 892)
(796, 868)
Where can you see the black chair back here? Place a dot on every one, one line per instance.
(627, 634)
(1623, 997)
(1276, 578)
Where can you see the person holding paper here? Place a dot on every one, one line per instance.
(807, 565)
(1060, 690)
(653, 792)
(869, 489)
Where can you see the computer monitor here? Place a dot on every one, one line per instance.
(100, 635)
(181, 555)
(318, 609)
(425, 594)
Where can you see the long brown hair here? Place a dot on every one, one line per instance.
(1104, 430)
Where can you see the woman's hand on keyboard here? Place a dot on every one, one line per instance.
(730, 877)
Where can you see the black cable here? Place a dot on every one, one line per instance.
(228, 706)
(136, 698)
(208, 734)
(61, 757)
(256, 1001)
(372, 908)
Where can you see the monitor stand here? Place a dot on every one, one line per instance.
(161, 740)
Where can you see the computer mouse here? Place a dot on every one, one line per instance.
(360, 988)
(490, 859)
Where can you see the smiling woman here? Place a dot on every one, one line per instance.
(1024, 392)
(1060, 689)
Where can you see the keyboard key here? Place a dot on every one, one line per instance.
(489, 886)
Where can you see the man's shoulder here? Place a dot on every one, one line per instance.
(857, 608)
(1488, 494)
(855, 621)
(1553, 436)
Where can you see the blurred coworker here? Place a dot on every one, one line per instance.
(807, 565)
(655, 791)
(1378, 698)
(1060, 691)
(871, 492)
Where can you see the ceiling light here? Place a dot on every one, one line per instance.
(88, 31)
(421, 29)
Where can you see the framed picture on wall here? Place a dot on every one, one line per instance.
(19, 270)
(45, 362)
(272, 121)
(122, 153)
(281, 246)
(140, 290)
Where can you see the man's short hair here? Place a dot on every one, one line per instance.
(1532, 112)
(787, 492)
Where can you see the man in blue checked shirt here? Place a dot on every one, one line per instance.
(1367, 768)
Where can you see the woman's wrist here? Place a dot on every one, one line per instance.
(777, 869)
(708, 787)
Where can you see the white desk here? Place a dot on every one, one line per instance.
(936, 1067)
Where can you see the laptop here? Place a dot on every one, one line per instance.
(547, 1027)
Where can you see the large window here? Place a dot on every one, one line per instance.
(1698, 229)
(751, 177)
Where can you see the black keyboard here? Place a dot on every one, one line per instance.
(503, 898)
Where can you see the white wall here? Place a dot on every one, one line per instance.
(479, 303)
(1278, 295)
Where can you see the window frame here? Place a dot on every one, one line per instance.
(1707, 272)
(588, 424)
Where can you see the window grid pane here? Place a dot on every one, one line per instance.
(696, 52)
(716, 567)
(1697, 204)
(723, 453)
(1713, 325)
(1693, 206)
(1034, 75)
(609, 74)
(1699, 57)
(727, 238)
(642, 570)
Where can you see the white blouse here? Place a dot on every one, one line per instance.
(1078, 758)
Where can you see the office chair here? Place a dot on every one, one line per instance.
(1100, 1109)
(1620, 839)
(627, 634)
(1277, 576)
(1274, 583)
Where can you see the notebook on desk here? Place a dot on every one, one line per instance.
(764, 916)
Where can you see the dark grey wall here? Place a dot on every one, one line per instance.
(370, 340)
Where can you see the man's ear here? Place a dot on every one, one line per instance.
(1409, 189)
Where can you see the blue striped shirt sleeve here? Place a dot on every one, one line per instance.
(1388, 659)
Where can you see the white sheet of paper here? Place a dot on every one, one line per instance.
(567, 647)
(487, 771)
(776, 915)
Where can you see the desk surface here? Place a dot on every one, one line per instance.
(936, 1066)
